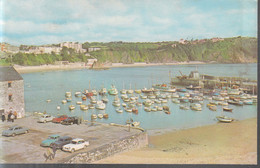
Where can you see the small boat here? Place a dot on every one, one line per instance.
(77, 94)
(68, 99)
(124, 104)
(166, 108)
(196, 107)
(158, 101)
(227, 109)
(183, 107)
(130, 91)
(128, 110)
(238, 103)
(138, 103)
(164, 101)
(147, 102)
(68, 94)
(100, 105)
(135, 110)
(64, 101)
(143, 97)
(224, 119)
(151, 96)
(135, 124)
(116, 103)
(119, 110)
(100, 116)
(72, 107)
(148, 109)
(213, 107)
(126, 99)
(94, 92)
(184, 100)
(167, 112)
(248, 102)
(83, 107)
(105, 115)
(181, 90)
(175, 95)
(91, 106)
(154, 109)
(105, 99)
(112, 90)
(58, 107)
(159, 108)
(176, 101)
(123, 91)
(78, 102)
(48, 101)
(84, 98)
(145, 90)
(234, 92)
(93, 100)
(123, 96)
(102, 91)
(138, 91)
(93, 116)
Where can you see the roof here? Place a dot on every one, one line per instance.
(78, 139)
(9, 74)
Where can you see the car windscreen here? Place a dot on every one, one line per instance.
(74, 142)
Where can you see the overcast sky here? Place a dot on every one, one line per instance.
(38, 22)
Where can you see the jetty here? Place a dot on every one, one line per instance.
(211, 82)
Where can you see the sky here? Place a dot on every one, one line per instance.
(38, 22)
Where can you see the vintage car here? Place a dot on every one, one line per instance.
(52, 138)
(15, 130)
(59, 119)
(61, 141)
(70, 121)
(45, 118)
(76, 144)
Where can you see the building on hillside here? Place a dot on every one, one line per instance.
(93, 49)
(11, 91)
(215, 39)
(182, 41)
(74, 45)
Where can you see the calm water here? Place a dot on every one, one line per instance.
(52, 85)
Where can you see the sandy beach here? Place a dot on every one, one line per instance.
(222, 143)
(75, 66)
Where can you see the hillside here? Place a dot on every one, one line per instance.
(228, 50)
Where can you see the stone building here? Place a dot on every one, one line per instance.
(11, 91)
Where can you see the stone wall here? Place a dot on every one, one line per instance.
(125, 144)
(17, 101)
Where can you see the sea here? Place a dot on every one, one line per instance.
(41, 86)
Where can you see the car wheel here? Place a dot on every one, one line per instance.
(72, 150)
(13, 134)
(27, 132)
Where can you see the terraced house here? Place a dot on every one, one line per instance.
(11, 91)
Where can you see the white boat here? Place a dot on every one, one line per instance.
(119, 110)
(91, 106)
(58, 107)
(78, 102)
(130, 91)
(123, 96)
(93, 100)
(48, 101)
(225, 119)
(128, 110)
(83, 107)
(154, 109)
(176, 101)
(147, 102)
(126, 99)
(94, 92)
(183, 107)
(124, 104)
(77, 94)
(159, 108)
(100, 115)
(138, 103)
(72, 107)
(68, 94)
(158, 101)
(93, 116)
(116, 104)
(152, 97)
(175, 95)
(135, 124)
(113, 90)
(105, 99)
(138, 91)
(64, 101)
(100, 105)
(148, 109)
(143, 97)
(164, 101)
(196, 107)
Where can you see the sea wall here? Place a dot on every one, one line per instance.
(121, 145)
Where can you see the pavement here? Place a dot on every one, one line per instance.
(25, 148)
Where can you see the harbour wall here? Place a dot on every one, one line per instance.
(125, 144)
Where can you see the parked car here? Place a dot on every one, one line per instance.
(59, 119)
(15, 130)
(61, 141)
(70, 121)
(52, 138)
(45, 118)
(76, 144)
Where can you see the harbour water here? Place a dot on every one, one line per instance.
(52, 85)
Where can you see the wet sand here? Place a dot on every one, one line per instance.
(222, 143)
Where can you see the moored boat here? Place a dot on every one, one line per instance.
(224, 119)
(227, 109)
(72, 107)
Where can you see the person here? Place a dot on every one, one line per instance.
(3, 117)
(9, 116)
(15, 115)
(54, 149)
(12, 117)
(48, 155)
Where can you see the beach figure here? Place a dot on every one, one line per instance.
(54, 149)
(15, 115)
(48, 155)
(9, 116)
(12, 117)
(3, 117)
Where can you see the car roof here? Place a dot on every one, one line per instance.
(64, 137)
(46, 115)
(54, 135)
(77, 139)
(14, 126)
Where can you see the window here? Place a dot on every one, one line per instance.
(10, 97)
(9, 84)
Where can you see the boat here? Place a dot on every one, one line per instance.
(78, 102)
(135, 124)
(102, 91)
(158, 101)
(151, 96)
(100, 116)
(147, 102)
(64, 101)
(234, 92)
(145, 90)
(184, 100)
(213, 107)
(116, 103)
(93, 116)
(93, 100)
(130, 91)
(183, 107)
(123, 91)
(238, 103)
(112, 90)
(77, 94)
(100, 105)
(128, 110)
(91, 106)
(159, 108)
(148, 109)
(196, 106)
(227, 109)
(218, 98)
(68, 94)
(72, 107)
(164, 101)
(169, 90)
(167, 112)
(135, 110)
(181, 90)
(143, 97)
(138, 91)
(68, 99)
(48, 101)
(166, 108)
(105, 115)
(58, 107)
(123, 96)
(138, 103)
(88, 94)
(119, 110)
(224, 119)
(124, 104)
(94, 92)
(154, 108)
(160, 86)
(105, 99)
(84, 98)
(83, 107)
(126, 99)
(248, 102)
(175, 95)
